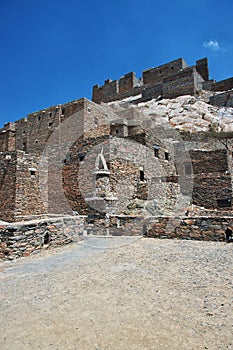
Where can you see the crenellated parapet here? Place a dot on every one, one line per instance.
(169, 80)
(175, 77)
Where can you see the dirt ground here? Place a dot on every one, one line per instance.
(119, 294)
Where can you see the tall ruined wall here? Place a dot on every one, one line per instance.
(7, 138)
(21, 134)
(212, 179)
(8, 163)
(223, 85)
(28, 198)
(132, 176)
(42, 124)
(156, 75)
(169, 80)
(128, 82)
(182, 83)
(202, 68)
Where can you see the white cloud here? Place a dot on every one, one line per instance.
(212, 45)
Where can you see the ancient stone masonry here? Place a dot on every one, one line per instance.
(22, 239)
(114, 161)
(167, 81)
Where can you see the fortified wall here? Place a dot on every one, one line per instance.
(113, 164)
(170, 80)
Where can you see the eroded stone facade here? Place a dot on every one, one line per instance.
(48, 160)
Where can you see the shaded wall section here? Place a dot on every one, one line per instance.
(8, 161)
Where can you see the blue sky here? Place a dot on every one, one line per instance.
(54, 51)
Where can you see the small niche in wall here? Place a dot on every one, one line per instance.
(46, 238)
(81, 156)
(156, 151)
(142, 174)
(36, 141)
(89, 109)
(50, 124)
(63, 111)
(50, 114)
(32, 172)
(166, 156)
(39, 117)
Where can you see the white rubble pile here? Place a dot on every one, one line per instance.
(188, 113)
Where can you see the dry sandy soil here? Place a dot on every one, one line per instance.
(119, 293)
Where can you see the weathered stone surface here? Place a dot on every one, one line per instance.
(17, 245)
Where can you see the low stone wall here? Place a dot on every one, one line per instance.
(206, 228)
(23, 238)
(196, 228)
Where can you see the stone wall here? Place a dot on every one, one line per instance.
(128, 82)
(156, 75)
(202, 68)
(8, 163)
(22, 239)
(7, 138)
(182, 83)
(169, 80)
(223, 85)
(211, 178)
(222, 100)
(29, 196)
(196, 228)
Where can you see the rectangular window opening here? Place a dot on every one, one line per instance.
(156, 151)
(142, 176)
(32, 172)
(167, 156)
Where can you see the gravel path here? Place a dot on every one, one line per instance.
(119, 293)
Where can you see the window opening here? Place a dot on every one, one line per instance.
(166, 156)
(81, 156)
(33, 173)
(142, 175)
(156, 151)
(46, 238)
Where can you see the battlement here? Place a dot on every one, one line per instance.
(154, 82)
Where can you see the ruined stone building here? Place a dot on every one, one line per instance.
(108, 156)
